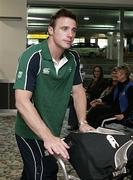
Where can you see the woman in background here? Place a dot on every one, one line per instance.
(97, 84)
(99, 109)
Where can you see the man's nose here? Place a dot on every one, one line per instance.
(70, 33)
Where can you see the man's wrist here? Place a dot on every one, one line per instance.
(81, 122)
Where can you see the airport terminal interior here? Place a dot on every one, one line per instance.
(104, 37)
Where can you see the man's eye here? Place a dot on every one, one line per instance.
(74, 30)
(64, 28)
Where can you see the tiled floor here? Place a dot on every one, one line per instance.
(10, 161)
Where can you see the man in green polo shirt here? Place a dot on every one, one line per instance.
(47, 74)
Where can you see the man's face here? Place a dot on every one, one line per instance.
(64, 32)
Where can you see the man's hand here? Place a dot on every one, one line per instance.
(86, 128)
(55, 145)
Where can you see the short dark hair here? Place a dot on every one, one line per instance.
(62, 13)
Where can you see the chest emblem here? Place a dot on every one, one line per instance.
(46, 70)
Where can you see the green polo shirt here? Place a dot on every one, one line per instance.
(51, 91)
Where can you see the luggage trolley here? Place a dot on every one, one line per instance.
(68, 176)
(116, 175)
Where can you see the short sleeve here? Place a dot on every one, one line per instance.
(77, 76)
(27, 71)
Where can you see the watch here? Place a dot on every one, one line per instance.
(81, 122)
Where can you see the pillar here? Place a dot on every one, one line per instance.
(12, 36)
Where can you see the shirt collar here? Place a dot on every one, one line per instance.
(61, 61)
(46, 52)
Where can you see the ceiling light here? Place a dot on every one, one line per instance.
(100, 26)
(37, 18)
(42, 10)
(37, 24)
(118, 21)
(86, 18)
(103, 26)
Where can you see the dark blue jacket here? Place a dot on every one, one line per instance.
(123, 99)
(122, 96)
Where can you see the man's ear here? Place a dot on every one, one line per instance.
(50, 30)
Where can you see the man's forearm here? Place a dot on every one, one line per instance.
(33, 120)
(80, 104)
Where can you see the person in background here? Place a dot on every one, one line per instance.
(46, 76)
(123, 97)
(100, 109)
(112, 82)
(122, 104)
(97, 84)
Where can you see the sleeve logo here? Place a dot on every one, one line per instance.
(20, 73)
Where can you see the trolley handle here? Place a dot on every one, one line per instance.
(62, 164)
(107, 120)
(63, 167)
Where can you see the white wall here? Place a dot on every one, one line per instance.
(12, 36)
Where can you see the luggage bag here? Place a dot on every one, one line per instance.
(100, 155)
